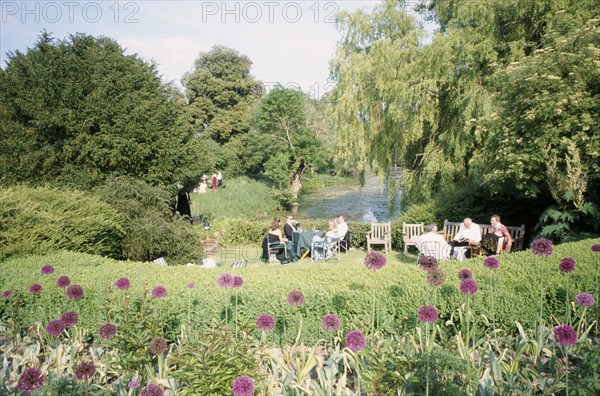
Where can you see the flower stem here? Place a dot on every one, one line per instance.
(568, 313)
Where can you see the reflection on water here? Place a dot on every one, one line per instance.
(366, 204)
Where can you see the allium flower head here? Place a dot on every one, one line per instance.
(355, 341)
(47, 269)
(436, 277)
(55, 327)
(295, 298)
(159, 292)
(152, 390)
(133, 384)
(30, 380)
(491, 263)
(243, 386)
(75, 292)
(596, 248)
(225, 280)
(63, 281)
(238, 282)
(375, 260)
(265, 322)
(468, 286)
(158, 345)
(428, 314)
(428, 263)
(464, 273)
(107, 331)
(69, 318)
(7, 293)
(330, 322)
(36, 288)
(85, 371)
(584, 300)
(567, 265)
(565, 335)
(542, 247)
(122, 283)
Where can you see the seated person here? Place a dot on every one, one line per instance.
(468, 234)
(500, 230)
(275, 235)
(332, 232)
(343, 232)
(433, 244)
(289, 227)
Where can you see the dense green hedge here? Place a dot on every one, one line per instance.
(38, 220)
(344, 288)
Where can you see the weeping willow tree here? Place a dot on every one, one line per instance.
(398, 101)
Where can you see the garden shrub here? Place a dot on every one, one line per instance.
(38, 220)
(150, 230)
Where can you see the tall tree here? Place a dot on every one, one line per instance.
(222, 93)
(76, 110)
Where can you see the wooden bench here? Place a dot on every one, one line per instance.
(409, 231)
(380, 234)
(516, 233)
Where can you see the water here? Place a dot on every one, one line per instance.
(366, 204)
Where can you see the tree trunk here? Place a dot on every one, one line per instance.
(296, 185)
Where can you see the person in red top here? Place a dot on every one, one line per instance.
(500, 230)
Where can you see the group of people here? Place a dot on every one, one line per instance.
(281, 237)
(469, 235)
(216, 182)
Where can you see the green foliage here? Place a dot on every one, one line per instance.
(570, 225)
(150, 231)
(39, 220)
(78, 110)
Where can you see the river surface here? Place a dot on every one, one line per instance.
(360, 204)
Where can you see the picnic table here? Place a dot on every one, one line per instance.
(302, 241)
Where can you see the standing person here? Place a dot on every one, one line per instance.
(468, 233)
(214, 181)
(219, 179)
(183, 202)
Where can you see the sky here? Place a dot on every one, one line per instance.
(289, 42)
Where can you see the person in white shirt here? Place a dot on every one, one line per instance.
(440, 249)
(342, 228)
(468, 233)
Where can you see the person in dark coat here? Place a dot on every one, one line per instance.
(183, 202)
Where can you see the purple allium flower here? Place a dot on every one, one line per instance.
(122, 283)
(159, 292)
(63, 281)
(243, 386)
(428, 263)
(595, 248)
(375, 261)
(468, 286)
(107, 331)
(491, 263)
(238, 282)
(133, 384)
(47, 269)
(7, 293)
(191, 285)
(85, 371)
(265, 322)
(584, 300)
(30, 380)
(75, 292)
(355, 341)
(36, 288)
(152, 390)
(542, 247)
(225, 280)
(295, 298)
(565, 335)
(567, 265)
(159, 345)
(428, 314)
(436, 277)
(330, 322)
(465, 273)
(69, 318)
(55, 327)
